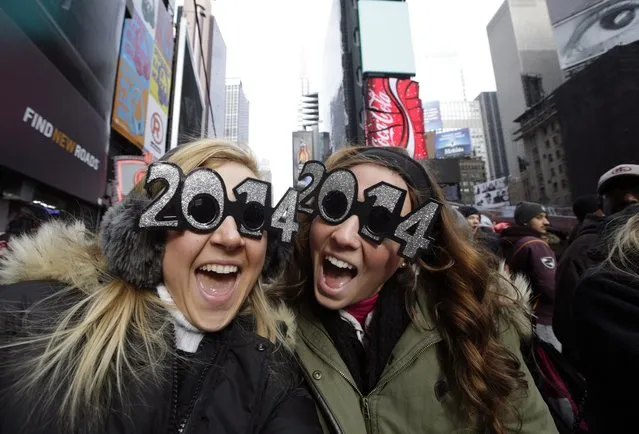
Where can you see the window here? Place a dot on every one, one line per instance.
(547, 144)
(545, 156)
(564, 184)
(555, 140)
(558, 153)
(555, 187)
(552, 172)
(561, 168)
(550, 159)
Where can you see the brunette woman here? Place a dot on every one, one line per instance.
(403, 326)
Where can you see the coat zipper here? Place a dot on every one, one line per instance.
(365, 399)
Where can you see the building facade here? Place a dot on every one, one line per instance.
(466, 114)
(236, 126)
(526, 68)
(209, 59)
(493, 135)
(472, 172)
(544, 175)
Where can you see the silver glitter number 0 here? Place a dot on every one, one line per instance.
(203, 182)
(339, 180)
(170, 175)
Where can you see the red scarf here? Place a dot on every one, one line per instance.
(361, 309)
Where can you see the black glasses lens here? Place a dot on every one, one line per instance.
(204, 209)
(335, 204)
(379, 220)
(253, 216)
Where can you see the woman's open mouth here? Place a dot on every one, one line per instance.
(217, 282)
(337, 273)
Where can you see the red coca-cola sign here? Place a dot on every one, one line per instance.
(394, 116)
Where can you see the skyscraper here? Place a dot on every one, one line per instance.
(493, 135)
(236, 127)
(526, 68)
(466, 114)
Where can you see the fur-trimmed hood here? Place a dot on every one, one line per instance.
(514, 293)
(69, 253)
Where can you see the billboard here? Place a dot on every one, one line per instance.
(432, 116)
(585, 29)
(49, 130)
(386, 42)
(394, 116)
(81, 39)
(492, 194)
(144, 77)
(453, 144)
(302, 152)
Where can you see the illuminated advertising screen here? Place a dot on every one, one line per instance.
(302, 152)
(432, 116)
(394, 116)
(453, 144)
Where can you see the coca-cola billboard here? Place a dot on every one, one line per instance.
(394, 116)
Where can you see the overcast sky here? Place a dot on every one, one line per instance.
(269, 42)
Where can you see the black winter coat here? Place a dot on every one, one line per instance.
(250, 387)
(572, 266)
(607, 330)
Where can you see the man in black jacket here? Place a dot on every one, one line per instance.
(618, 189)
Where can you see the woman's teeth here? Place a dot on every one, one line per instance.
(339, 264)
(219, 269)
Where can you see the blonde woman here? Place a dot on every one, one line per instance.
(159, 324)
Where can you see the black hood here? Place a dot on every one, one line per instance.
(591, 225)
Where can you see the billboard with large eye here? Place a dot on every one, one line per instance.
(585, 29)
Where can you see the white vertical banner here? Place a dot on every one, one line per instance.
(156, 128)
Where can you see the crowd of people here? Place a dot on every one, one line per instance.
(362, 304)
(584, 304)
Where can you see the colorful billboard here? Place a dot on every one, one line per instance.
(432, 116)
(492, 194)
(453, 144)
(144, 77)
(302, 152)
(134, 74)
(584, 30)
(394, 116)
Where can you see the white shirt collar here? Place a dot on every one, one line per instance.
(187, 336)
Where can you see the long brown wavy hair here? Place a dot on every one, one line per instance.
(460, 284)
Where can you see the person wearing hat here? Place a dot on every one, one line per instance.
(618, 189)
(528, 254)
(483, 232)
(472, 216)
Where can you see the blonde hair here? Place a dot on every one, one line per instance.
(624, 247)
(114, 337)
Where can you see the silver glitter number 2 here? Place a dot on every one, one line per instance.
(315, 170)
(171, 175)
